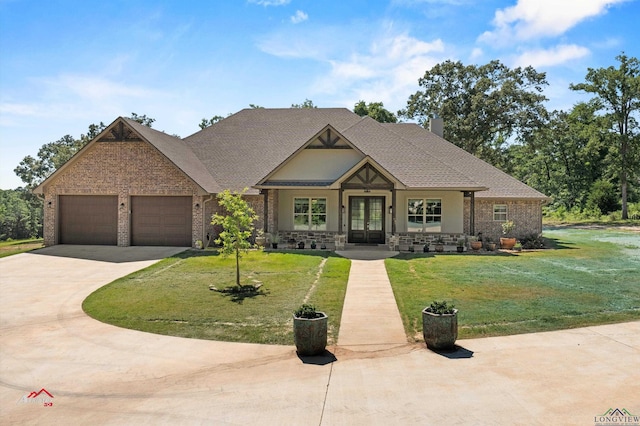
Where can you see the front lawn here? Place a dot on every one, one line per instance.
(591, 277)
(8, 248)
(173, 297)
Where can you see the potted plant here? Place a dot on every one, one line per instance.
(439, 244)
(489, 244)
(517, 246)
(475, 244)
(309, 330)
(440, 325)
(313, 245)
(274, 239)
(425, 248)
(292, 243)
(323, 246)
(260, 238)
(301, 245)
(507, 242)
(460, 247)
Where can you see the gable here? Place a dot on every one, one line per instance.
(318, 162)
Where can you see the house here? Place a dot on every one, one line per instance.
(312, 174)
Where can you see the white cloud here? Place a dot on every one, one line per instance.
(551, 57)
(476, 53)
(300, 16)
(531, 19)
(385, 73)
(270, 2)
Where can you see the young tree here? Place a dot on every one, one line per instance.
(237, 224)
(375, 110)
(618, 93)
(483, 107)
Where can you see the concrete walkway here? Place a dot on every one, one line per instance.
(105, 375)
(370, 317)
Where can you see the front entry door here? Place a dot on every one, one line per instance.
(366, 220)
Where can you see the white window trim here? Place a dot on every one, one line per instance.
(424, 213)
(505, 213)
(310, 213)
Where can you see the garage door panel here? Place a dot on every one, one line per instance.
(88, 219)
(161, 221)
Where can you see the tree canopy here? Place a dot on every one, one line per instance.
(375, 110)
(483, 107)
(617, 93)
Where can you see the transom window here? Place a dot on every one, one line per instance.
(310, 214)
(500, 212)
(424, 215)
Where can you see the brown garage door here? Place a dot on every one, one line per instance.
(161, 221)
(88, 219)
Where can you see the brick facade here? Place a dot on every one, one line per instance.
(526, 214)
(124, 169)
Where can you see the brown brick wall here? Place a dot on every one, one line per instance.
(123, 169)
(527, 216)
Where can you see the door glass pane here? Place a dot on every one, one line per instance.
(375, 214)
(357, 214)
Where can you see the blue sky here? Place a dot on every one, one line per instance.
(67, 64)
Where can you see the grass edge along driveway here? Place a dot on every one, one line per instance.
(590, 277)
(173, 297)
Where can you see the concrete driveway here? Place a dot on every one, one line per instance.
(100, 374)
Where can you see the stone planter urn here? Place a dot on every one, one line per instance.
(476, 245)
(507, 243)
(310, 334)
(440, 331)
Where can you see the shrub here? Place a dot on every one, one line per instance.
(532, 241)
(603, 196)
(440, 308)
(307, 311)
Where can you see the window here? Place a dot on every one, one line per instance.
(424, 215)
(500, 212)
(310, 214)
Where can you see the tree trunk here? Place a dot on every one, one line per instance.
(238, 267)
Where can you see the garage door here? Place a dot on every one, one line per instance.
(88, 219)
(161, 221)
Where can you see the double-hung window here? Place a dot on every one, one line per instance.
(500, 212)
(310, 214)
(424, 215)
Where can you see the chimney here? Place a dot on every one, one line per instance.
(436, 126)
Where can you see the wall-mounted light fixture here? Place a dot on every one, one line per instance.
(197, 205)
(49, 204)
(342, 209)
(122, 205)
(390, 209)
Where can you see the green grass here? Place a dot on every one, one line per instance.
(173, 297)
(8, 248)
(591, 277)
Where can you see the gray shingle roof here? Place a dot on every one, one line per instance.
(244, 148)
(500, 184)
(179, 153)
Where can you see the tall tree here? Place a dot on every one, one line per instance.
(565, 157)
(617, 90)
(483, 107)
(308, 103)
(237, 224)
(210, 122)
(375, 110)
